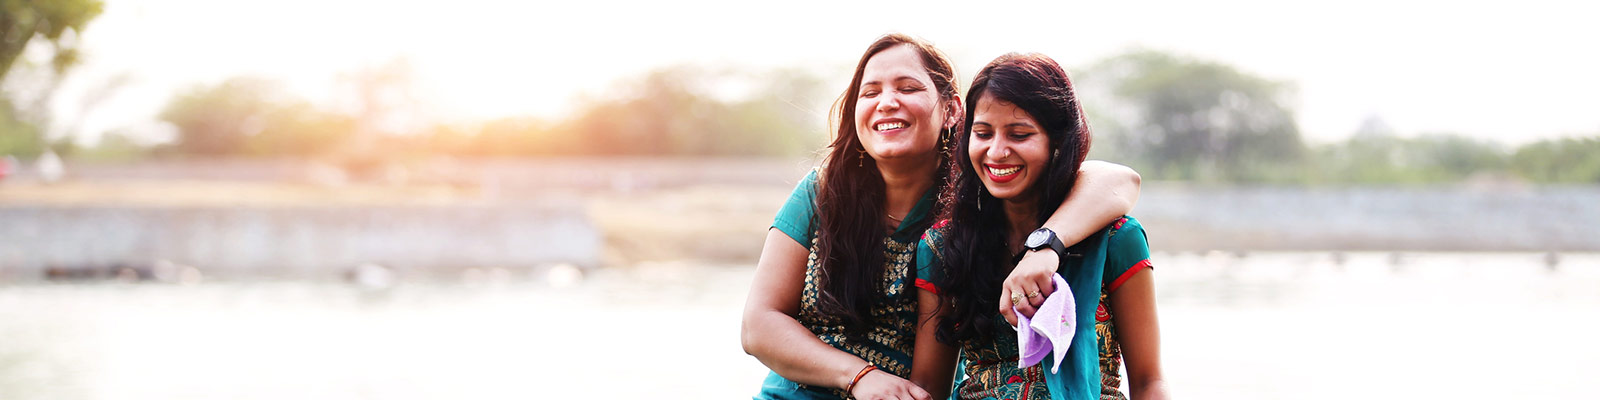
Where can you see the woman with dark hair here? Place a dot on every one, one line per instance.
(831, 310)
(1028, 136)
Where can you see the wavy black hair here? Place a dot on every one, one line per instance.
(976, 256)
(851, 196)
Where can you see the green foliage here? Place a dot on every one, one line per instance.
(670, 111)
(1169, 117)
(1384, 158)
(1187, 119)
(21, 20)
(247, 116)
(1569, 160)
(18, 137)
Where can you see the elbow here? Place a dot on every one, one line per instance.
(1130, 186)
(748, 337)
(747, 341)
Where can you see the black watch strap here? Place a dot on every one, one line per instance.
(1054, 244)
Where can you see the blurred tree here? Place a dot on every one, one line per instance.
(1176, 118)
(383, 102)
(673, 111)
(1371, 155)
(1568, 160)
(297, 128)
(17, 135)
(22, 20)
(250, 116)
(1374, 154)
(1451, 157)
(57, 23)
(218, 120)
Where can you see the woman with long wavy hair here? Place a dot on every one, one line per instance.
(832, 309)
(1027, 138)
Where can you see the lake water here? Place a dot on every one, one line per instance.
(1302, 325)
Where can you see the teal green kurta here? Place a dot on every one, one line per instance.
(888, 342)
(1092, 366)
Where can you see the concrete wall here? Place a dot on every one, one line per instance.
(513, 233)
(299, 241)
(1441, 218)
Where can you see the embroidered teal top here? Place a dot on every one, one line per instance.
(888, 342)
(1093, 365)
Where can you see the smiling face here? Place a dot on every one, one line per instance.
(1008, 148)
(898, 111)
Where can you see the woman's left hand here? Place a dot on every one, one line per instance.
(1031, 282)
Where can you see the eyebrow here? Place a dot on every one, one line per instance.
(896, 79)
(1010, 125)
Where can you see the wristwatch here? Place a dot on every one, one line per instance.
(1044, 238)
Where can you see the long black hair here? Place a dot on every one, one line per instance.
(975, 253)
(850, 202)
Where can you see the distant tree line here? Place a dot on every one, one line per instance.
(1177, 118)
(1170, 117)
(666, 112)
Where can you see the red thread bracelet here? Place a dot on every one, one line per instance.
(864, 371)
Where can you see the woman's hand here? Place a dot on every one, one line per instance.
(1031, 281)
(879, 385)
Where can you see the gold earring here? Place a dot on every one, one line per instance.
(944, 143)
(861, 157)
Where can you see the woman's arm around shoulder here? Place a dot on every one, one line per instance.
(1102, 193)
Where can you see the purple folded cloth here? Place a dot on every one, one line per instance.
(1051, 327)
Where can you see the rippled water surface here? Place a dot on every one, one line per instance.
(1257, 325)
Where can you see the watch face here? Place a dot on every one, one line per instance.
(1037, 239)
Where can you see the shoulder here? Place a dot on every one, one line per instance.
(1128, 251)
(808, 184)
(929, 260)
(934, 237)
(796, 216)
(1126, 237)
(1125, 227)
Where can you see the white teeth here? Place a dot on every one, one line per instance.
(1005, 171)
(890, 125)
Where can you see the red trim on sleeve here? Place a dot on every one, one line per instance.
(1129, 274)
(928, 286)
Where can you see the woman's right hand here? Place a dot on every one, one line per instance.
(880, 385)
(1033, 275)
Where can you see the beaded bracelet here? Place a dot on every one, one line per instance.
(864, 371)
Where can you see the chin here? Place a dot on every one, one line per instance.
(1001, 194)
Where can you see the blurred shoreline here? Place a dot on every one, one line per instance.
(308, 219)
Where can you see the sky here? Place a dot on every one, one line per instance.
(1511, 72)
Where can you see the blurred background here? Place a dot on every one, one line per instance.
(359, 199)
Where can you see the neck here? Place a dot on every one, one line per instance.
(1022, 216)
(905, 182)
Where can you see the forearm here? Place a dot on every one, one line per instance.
(933, 363)
(792, 351)
(1155, 389)
(1102, 193)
